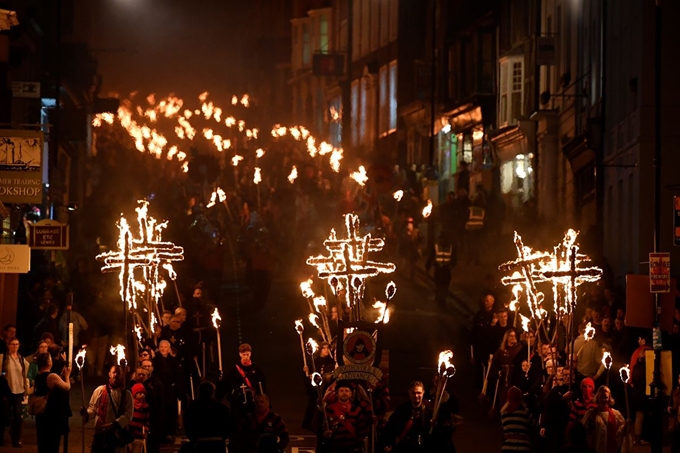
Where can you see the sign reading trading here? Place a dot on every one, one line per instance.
(20, 166)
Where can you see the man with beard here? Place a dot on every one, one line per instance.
(243, 382)
(349, 422)
(111, 406)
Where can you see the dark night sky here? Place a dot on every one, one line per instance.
(180, 46)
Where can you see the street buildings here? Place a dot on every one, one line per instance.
(547, 105)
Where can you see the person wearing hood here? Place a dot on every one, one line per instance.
(139, 425)
(580, 406)
(516, 421)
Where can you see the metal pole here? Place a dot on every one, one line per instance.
(656, 390)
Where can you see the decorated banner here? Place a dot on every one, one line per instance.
(21, 166)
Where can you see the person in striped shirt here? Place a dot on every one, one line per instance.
(516, 422)
(349, 421)
(139, 426)
(580, 406)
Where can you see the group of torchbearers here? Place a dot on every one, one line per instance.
(351, 416)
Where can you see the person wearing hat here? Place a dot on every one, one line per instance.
(349, 421)
(244, 381)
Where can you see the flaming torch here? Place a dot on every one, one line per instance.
(300, 329)
(80, 362)
(317, 382)
(119, 352)
(312, 346)
(607, 363)
(427, 210)
(216, 317)
(588, 335)
(624, 372)
(293, 175)
(308, 292)
(525, 327)
(398, 195)
(446, 370)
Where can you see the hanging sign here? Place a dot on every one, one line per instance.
(15, 259)
(659, 272)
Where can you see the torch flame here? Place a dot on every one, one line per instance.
(445, 362)
(235, 160)
(427, 210)
(398, 195)
(360, 176)
(119, 352)
(312, 345)
(383, 312)
(624, 372)
(525, 322)
(293, 175)
(314, 319)
(319, 301)
(138, 331)
(153, 322)
(306, 288)
(607, 360)
(259, 153)
(299, 328)
(317, 379)
(80, 358)
(589, 333)
(216, 317)
(257, 177)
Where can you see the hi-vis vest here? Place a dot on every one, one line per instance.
(442, 257)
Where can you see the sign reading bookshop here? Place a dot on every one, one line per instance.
(21, 166)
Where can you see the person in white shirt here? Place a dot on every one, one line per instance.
(13, 385)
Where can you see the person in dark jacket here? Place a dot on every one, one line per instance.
(262, 429)
(53, 423)
(207, 422)
(443, 257)
(48, 324)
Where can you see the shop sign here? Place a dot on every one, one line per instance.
(546, 53)
(26, 90)
(48, 235)
(15, 259)
(659, 272)
(21, 166)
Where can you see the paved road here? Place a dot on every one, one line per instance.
(417, 332)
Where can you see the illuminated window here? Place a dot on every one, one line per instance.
(393, 96)
(383, 104)
(511, 90)
(363, 110)
(323, 34)
(355, 112)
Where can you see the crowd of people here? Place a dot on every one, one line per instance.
(555, 391)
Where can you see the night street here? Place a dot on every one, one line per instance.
(339, 226)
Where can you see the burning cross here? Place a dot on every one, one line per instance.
(347, 261)
(148, 252)
(565, 269)
(526, 261)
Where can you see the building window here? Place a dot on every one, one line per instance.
(363, 111)
(465, 154)
(375, 24)
(387, 99)
(306, 45)
(355, 112)
(394, 19)
(323, 34)
(393, 96)
(384, 27)
(511, 91)
(356, 30)
(383, 103)
(365, 27)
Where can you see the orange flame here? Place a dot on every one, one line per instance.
(216, 317)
